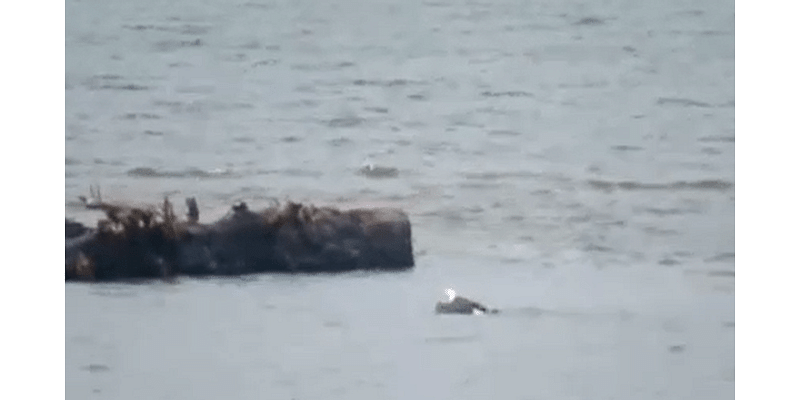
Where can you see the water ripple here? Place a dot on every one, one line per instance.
(710, 184)
(386, 83)
(147, 172)
(378, 172)
(665, 101)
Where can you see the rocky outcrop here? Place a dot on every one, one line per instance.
(293, 238)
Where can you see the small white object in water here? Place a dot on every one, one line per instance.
(367, 164)
(451, 294)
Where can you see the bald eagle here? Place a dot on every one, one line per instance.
(460, 305)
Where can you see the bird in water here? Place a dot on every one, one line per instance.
(461, 305)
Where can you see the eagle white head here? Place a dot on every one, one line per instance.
(451, 294)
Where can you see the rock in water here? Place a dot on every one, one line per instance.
(151, 243)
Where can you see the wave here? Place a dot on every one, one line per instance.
(707, 184)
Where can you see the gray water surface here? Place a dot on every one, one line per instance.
(571, 163)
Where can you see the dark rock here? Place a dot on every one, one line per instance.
(295, 238)
(74, 229)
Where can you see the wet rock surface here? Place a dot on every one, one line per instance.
(152, 243)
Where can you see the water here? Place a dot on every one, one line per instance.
(571, 163)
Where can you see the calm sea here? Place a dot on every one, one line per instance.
(569, 162)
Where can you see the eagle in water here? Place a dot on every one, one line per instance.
(460, 305)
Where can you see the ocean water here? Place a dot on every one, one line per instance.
(571, 163)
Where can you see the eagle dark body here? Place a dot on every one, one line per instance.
(461, 305)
